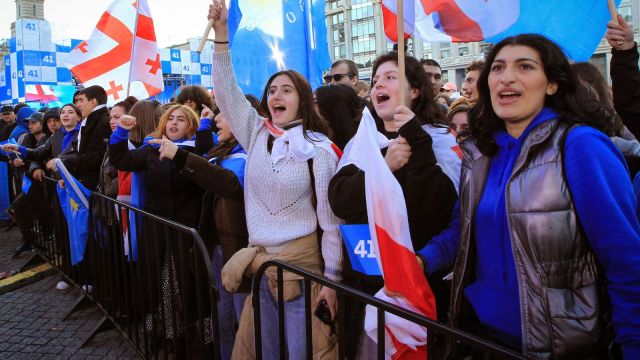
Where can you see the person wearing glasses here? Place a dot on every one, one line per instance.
(343, 71)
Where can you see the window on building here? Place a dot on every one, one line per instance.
(445, 53)
(427, 50)
(485, 48)
(338, 34)
(626, 13)
(34, 10)
(463, 51)
(445, 45)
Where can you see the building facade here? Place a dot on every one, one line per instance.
(355, 31)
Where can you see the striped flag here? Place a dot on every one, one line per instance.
(451, 20)
(577, 26)
(115, 59)
(389, 227)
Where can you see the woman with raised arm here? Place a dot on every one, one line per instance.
(289, 164)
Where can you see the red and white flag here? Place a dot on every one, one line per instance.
(40, 93)
(116, 59)
(451, 20)
(389, 227)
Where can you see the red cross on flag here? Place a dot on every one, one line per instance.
(115, 59)
(41, 93)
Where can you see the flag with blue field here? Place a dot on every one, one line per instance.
(268, 36)
(74, 200)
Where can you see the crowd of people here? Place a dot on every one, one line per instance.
(529, 236)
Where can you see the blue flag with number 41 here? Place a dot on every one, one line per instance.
(357, 240)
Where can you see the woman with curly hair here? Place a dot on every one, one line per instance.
(197, 98)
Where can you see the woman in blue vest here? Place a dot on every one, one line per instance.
(549, 245)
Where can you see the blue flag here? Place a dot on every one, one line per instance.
(273, 35)
(26, 184)
(577, 26)
(357, 241)
(5, 199)
(74, 200)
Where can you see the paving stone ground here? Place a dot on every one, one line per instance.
(31, 325)
(8, 243)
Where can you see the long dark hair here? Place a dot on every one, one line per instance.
(342, 108)
(571, 101)
(310, 119)
(424, 106)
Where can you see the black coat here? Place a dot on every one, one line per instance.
(168, 193)
(430, 196)
(52, 148)
(93, 144)
(625, 82)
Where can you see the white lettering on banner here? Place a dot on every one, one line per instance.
(291, 17)
(47, 59)
(361, 249)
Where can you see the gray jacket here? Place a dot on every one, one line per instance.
(558, 276)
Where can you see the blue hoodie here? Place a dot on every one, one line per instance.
(605, 204)
(23, 124)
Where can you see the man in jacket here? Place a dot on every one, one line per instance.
(92, 139)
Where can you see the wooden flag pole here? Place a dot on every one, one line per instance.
(401, 65)
(614, 15)
(613, 12)
(205, 36)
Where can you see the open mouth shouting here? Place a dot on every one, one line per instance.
(508, 96)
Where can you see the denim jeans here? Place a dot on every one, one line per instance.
(293, 325)
(229, 308)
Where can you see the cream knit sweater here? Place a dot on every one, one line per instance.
(278, 197)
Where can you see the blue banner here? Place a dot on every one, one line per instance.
(5, 199)
(357, 240)
(74, 200)
(273, 35)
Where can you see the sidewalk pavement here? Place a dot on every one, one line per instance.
(31, 325)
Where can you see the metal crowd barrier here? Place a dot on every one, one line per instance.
(344, 292)
(151, 277)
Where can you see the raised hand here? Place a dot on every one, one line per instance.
(398, 153)
(206, 113)
(620, 36)
(127, 122)
(402, 115)
(218, 12)
(51, 165)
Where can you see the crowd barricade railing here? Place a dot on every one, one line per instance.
(434, 328)
(49, 234)
(151, 277)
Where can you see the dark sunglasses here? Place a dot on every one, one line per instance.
(336, 77)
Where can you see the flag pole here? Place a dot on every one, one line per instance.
(205, 36)
(401, 65)
(613, 12)
(133, 46)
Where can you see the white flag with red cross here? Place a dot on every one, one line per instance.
(116, 59)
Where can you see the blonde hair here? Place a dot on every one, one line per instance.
(191, 116)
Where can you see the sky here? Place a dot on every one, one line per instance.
(175, 20)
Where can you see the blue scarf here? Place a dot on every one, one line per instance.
(68, 137)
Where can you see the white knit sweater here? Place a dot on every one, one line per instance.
(278, 197)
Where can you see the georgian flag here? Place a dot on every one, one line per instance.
(105, 59)
(40, 93)
(389, 227)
